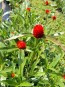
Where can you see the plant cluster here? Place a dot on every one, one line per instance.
(30, 55)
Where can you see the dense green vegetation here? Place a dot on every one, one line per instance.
(42, 61)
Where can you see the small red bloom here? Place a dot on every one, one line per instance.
(28, 9)
(46, 2)
(38, 31)
(47, 11)
(64, 76)
(12, 75)
(21, 44)
(54, 17)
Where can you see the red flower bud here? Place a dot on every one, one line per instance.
(12, 75)
(47, 11)
(38, 31)
(21, 44)
(54, 17)
(28, 9)
(46, 2)
(64, 76)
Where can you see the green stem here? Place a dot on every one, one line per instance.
(46, 18)
(20, 66)
(21, 55)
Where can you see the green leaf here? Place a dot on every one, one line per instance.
(6, 70)
(34, 66)
(25, 83)
(2, 45)
(56, 42)
(57, 58)
(60, 83)
(10, 82)
(55, 61)
(40, 74)
(44, 82)
(10, 49)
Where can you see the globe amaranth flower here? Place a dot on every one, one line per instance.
(28, 9)
(46, 2)
(64, 76)
(54, 17)
(12, 75)
(38, 31)
(21, 44)
(47, 11)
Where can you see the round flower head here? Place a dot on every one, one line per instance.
(47, 11)
(54, 17)
(21, 44)
(12, 75)
(64, 76)
(28, 9)
(38, 31)
(46, 2)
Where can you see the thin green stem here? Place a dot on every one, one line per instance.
(21, 55)
(20, 65)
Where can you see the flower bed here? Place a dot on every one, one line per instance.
(32, 45)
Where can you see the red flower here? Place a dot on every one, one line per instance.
(54, 17)
(47, 11)
(28, 9)
(12, 75)
(64, 76)
(46, 2)
(38, 31)
(21, 44)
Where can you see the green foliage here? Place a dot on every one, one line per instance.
(42, 63)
